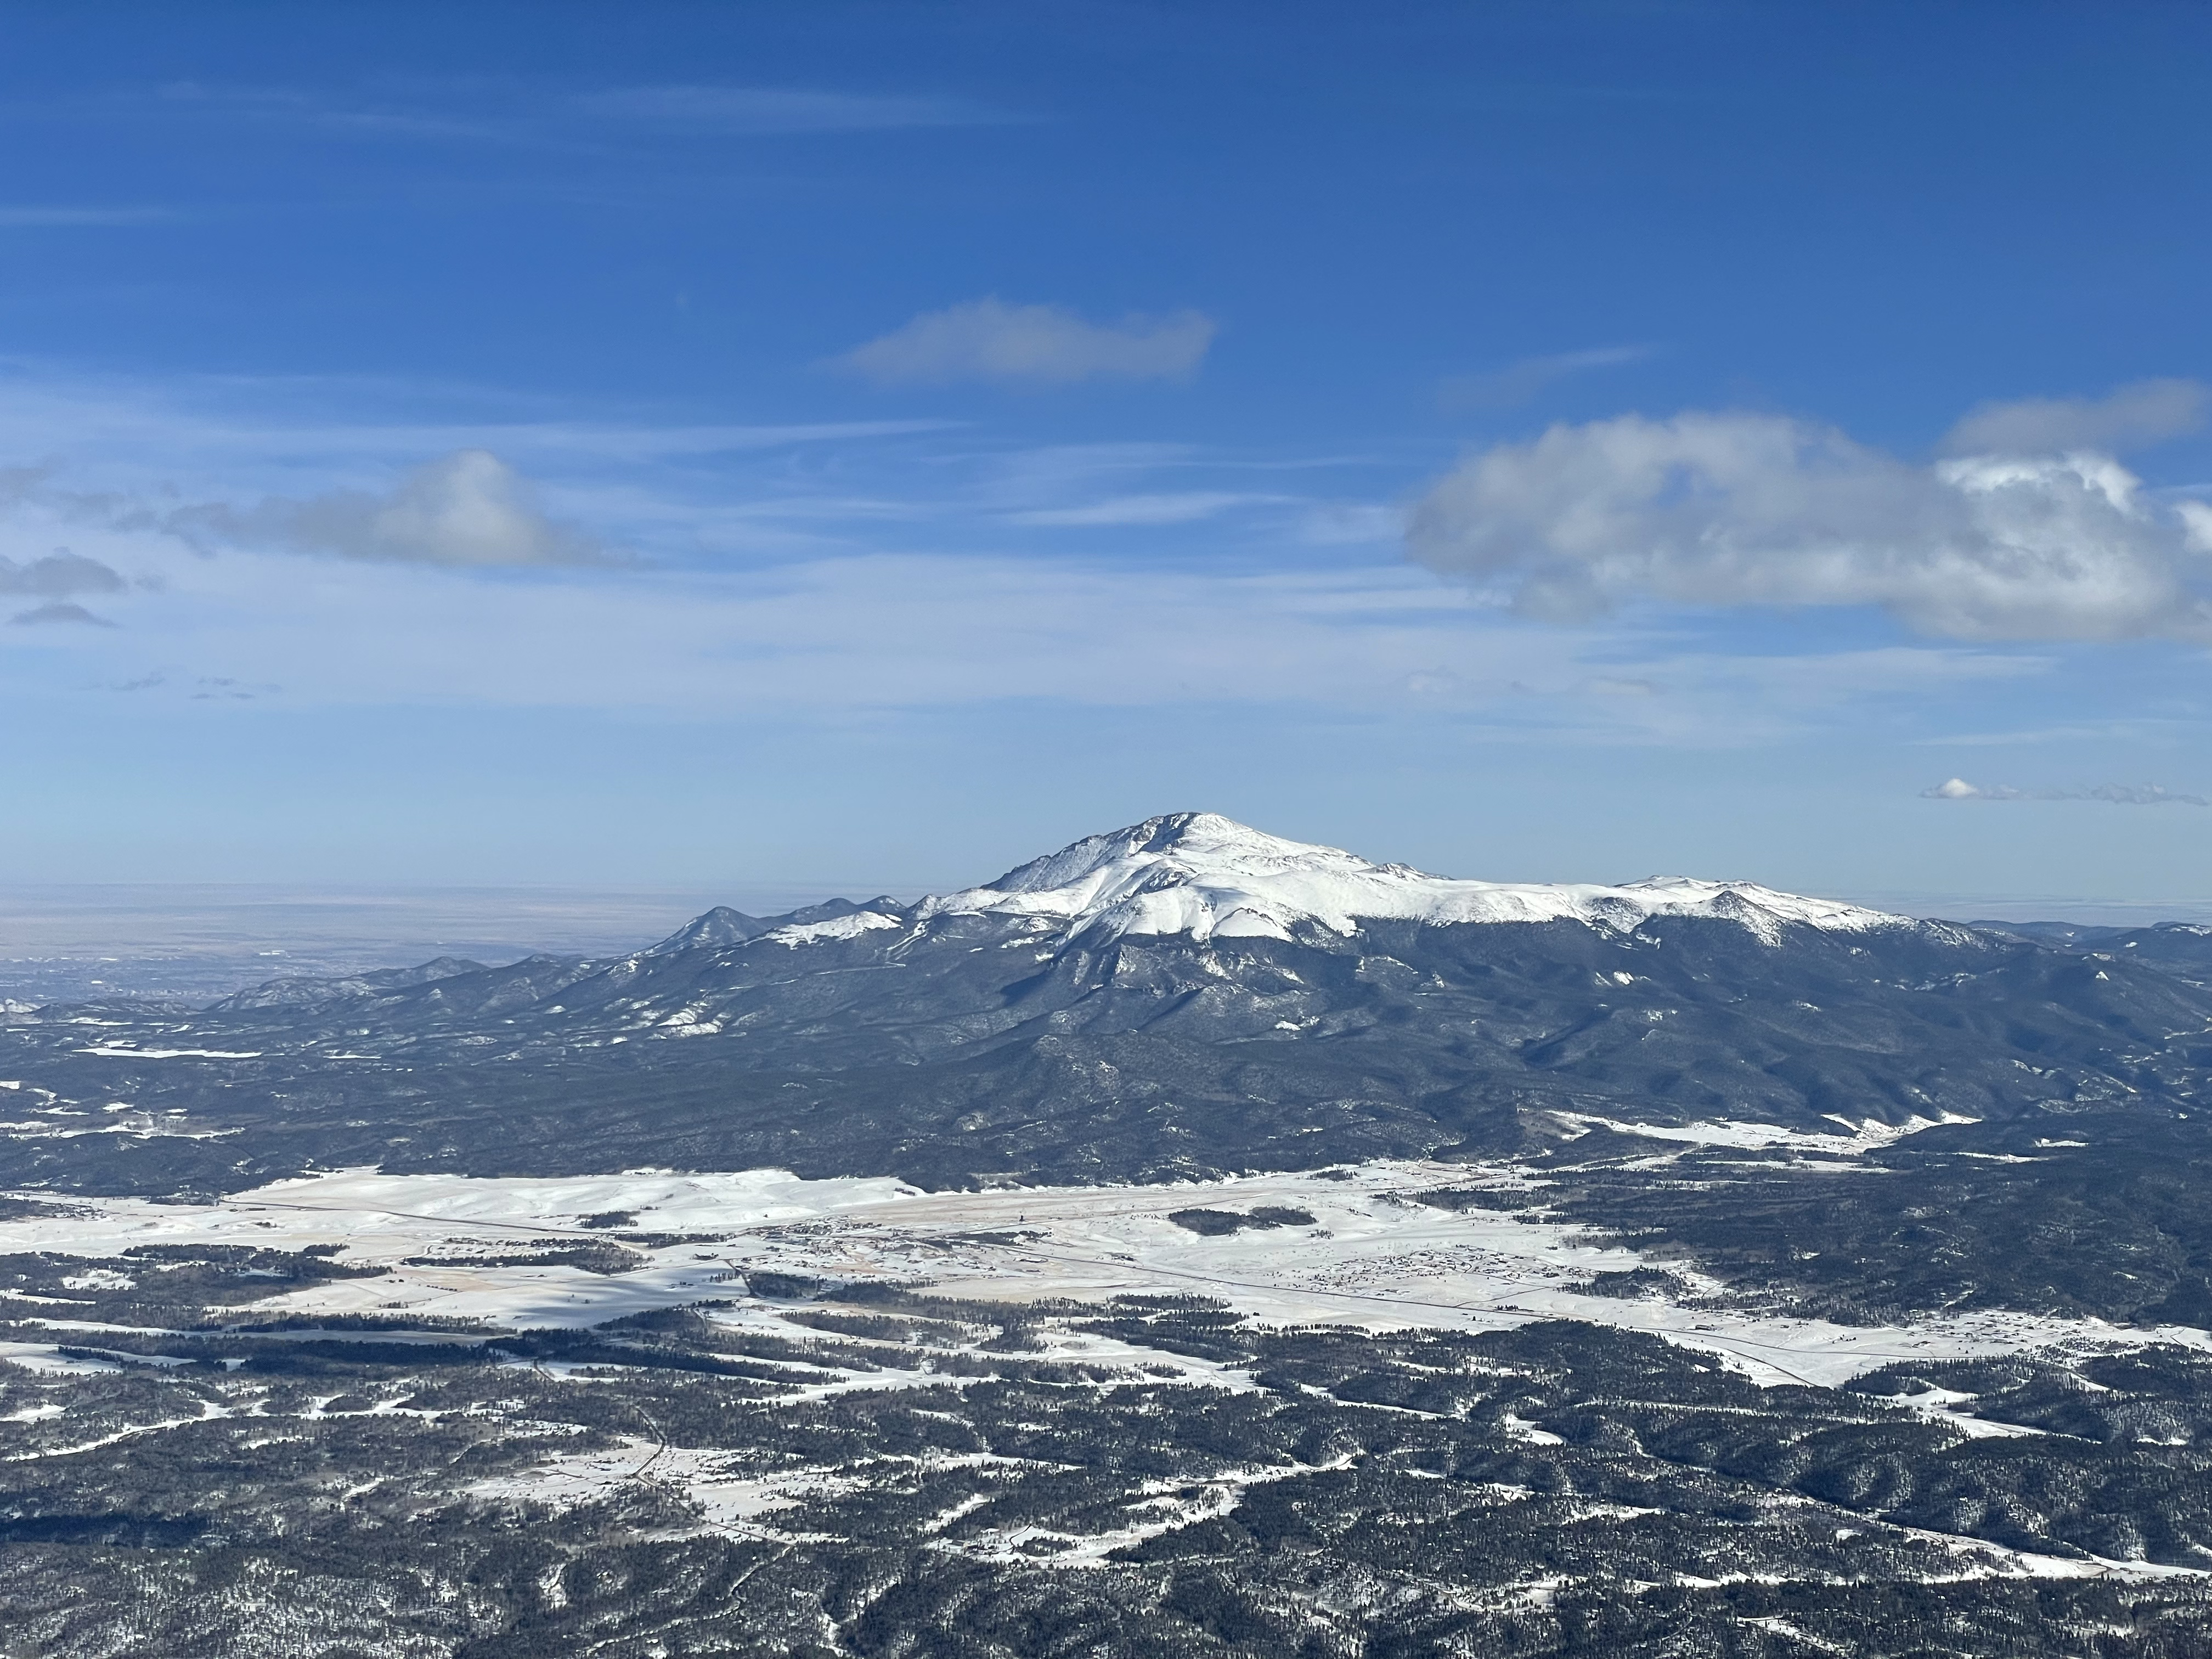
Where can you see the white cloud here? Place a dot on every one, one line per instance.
(2142, 413)
(1747, 509)
(832, 590)
(2119, 794)
(470, 508)
(1959, 789)
(989, 340)
(2196, 523)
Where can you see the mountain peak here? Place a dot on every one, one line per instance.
(718, 927)
(1203, 875)
(1197, 844)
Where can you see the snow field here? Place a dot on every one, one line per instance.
(1375, 1258)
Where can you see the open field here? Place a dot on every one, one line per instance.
(1372, 1254)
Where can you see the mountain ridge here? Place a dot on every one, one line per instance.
(1050, 1026)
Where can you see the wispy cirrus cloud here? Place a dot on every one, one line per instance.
(1518, 382)
(501, 112)
(57, 575)
(54, 578)
(468, 509)
(62, 216)
(477, 114)
(1032, 345)
(1168, 507)
(736, 109)
(2118, 794)
(58, 611)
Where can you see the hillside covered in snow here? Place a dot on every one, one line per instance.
(1200, 875)
(1183, 997)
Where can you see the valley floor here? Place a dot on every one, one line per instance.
(1372, 1254)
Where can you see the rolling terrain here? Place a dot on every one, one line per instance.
(1189, 1242)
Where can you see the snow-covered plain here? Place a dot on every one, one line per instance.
(1373, 1257)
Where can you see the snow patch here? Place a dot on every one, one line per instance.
(123, 1051)
(814, 933)
(1868, 1136)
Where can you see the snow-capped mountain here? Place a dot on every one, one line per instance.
(1791, 1134)
(1203, 875)
(1182, 996)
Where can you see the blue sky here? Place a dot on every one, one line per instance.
(744, 446)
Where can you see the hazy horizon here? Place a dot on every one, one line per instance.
(60, 941)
